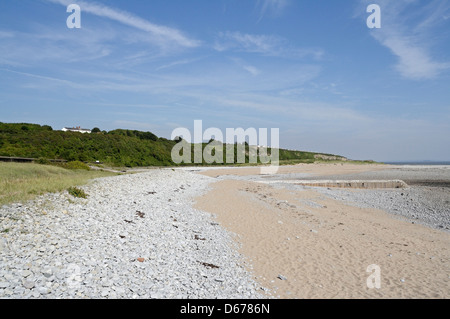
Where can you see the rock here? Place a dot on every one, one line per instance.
(3, 245)
(28, 284)
(141, 260)
(281, 277)
(105, 292)
(47, 273)
(43, 290)
(4, 284)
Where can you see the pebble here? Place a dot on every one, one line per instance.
(4, 285)
(281, 277)
(100, 247)
(28, 284)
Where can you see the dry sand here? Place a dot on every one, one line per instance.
(318, 169)
(322, 247)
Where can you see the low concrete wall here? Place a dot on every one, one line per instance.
(27, 160)
(367, 184)
(16, 159)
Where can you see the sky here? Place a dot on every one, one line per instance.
(312, 69)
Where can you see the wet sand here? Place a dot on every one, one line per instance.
(304, 244)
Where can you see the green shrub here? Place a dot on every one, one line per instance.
(77, 192)
(43, 161)
(76, 165)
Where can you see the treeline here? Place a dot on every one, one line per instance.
(119, 147)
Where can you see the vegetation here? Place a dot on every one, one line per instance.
(20, 182)
(75, 165)
(119, 148)
(76, 192)
(122, 148)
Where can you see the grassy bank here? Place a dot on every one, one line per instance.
(20, 182)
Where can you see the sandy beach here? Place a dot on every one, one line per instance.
(303, 243)
(233, 234)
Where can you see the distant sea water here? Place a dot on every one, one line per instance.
(419, 163)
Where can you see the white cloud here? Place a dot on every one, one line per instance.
(161, 33)
(176, 63)
(409, 33)
(268, 45)
(53, 45)
(274, 7)
(50, 82)
(248, 42)
(251, 69)
(6, 34)
(414, 61)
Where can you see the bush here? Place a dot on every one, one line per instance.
(76, 165)
(43, 161)
(77, 192)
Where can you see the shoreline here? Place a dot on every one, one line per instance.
(321, 245)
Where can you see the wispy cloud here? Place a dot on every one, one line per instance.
(275, 7)
(56, 81)
(176, 63)
(265, 44)
(269, 45)
(251, 69)
(45, 44)
(162, 34)
(6, 34)
(410, 34)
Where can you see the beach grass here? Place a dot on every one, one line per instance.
(20, 182)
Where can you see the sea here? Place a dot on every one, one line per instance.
(419, 163)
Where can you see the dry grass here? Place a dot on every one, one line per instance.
(20, 182)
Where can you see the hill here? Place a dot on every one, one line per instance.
(119, 147)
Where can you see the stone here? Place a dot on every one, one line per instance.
(43, 290)
(105, 292)
(28, 284)
(47, 273)
(281, 277)
(4, 284)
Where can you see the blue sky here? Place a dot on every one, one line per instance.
(313, 69)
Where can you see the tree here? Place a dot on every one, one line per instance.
(96, 130)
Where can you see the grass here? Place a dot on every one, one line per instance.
(20, 182)
(76, 192)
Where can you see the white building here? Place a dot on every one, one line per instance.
(76, 129)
